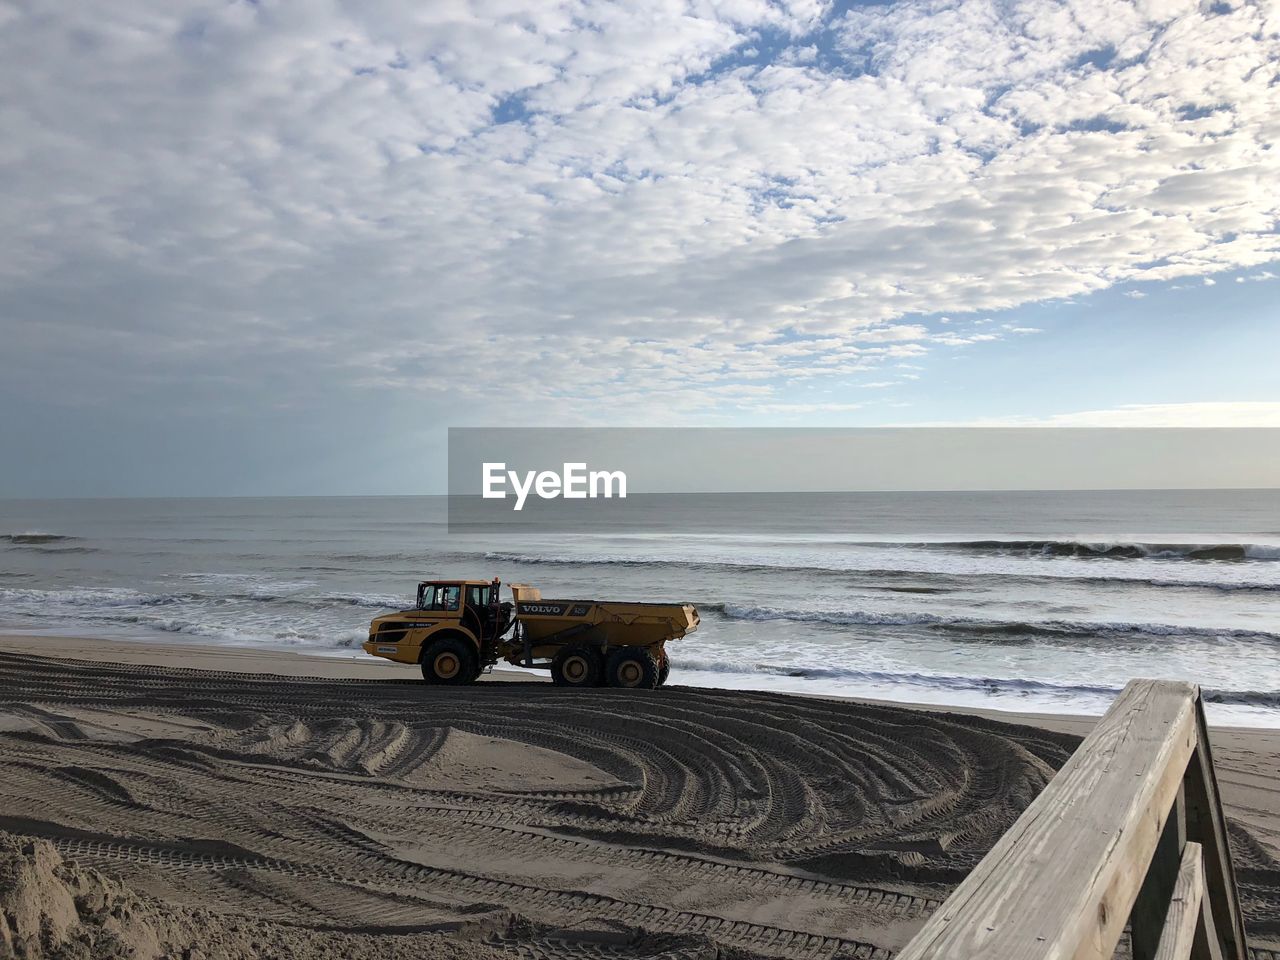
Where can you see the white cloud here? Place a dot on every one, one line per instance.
(1202, 414)
(802, 408)
(263, 203)
(956, 340)
(912, 331)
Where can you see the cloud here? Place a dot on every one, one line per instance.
(1196, 414)
(579, 209)
(912, 331)
(792, 409)
(955, 340)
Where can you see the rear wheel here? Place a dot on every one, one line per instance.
(577, 666)
(632, 668)
(664, 668)
(449, 660)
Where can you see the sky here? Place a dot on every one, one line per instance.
(279, 248)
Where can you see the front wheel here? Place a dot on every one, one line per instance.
(449, 661)
(632, 668)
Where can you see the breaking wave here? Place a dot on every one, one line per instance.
(34, 537)
(758, 565)
(374, 601)
(501, 556)
(44, 542)
(258, 586)
(1048, 628)
(111, 597)
(90, 597)
(1105, 550)
(250, 634)
(1079, 549)
(982, 685)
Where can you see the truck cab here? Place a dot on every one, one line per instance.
(454, 623)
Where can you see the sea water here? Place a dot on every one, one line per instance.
(1042, 601)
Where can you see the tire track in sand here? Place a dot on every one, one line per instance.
(599, 824)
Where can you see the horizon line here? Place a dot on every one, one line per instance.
(641, 493)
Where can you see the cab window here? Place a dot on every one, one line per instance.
(440, 597)
(477, 596)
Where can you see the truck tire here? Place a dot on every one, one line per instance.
(632, 668)
(449, 661)
(664, 668)
(577, 666)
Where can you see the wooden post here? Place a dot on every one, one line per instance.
(1147, 921)
(1184, 916)
(1207, 827)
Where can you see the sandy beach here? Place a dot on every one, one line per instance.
(175, 800)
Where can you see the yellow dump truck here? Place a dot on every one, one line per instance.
(458, 628)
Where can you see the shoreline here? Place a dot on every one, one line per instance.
(335, 666)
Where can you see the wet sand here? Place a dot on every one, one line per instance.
(325, 806)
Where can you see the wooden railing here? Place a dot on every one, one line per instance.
(1130, 832)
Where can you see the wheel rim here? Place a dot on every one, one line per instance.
(629, 673)
(575, 669)
(447, 665)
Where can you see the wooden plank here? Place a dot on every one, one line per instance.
(1207, 945)
(1185, 908)
(1147, 920)
(1207, 826)
(1060, 883)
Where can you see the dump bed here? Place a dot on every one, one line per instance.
(617, 622)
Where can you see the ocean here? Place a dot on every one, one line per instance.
(1039, 601)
